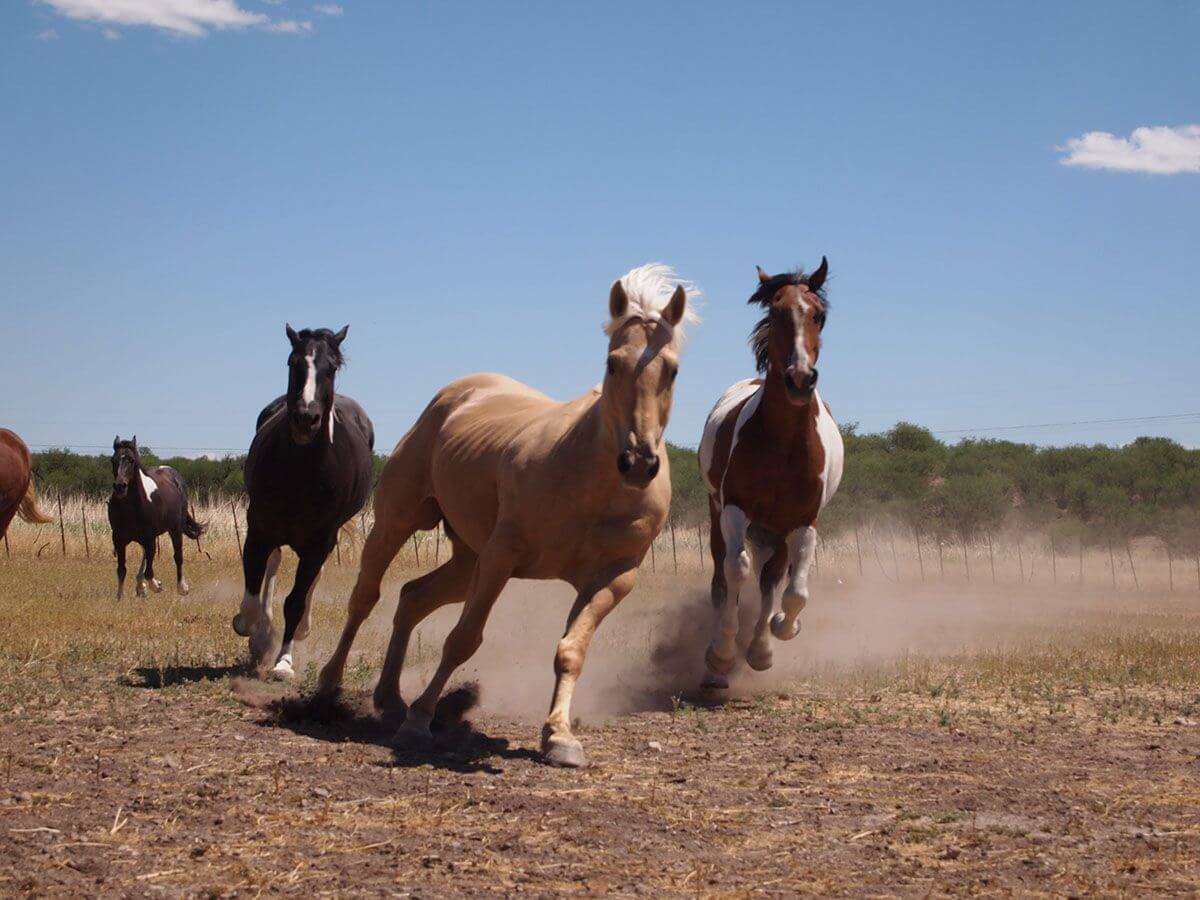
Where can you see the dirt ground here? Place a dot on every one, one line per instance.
(911, 741)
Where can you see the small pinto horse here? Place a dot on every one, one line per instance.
(308, 473)
(771, 458)
(529, 487)
(17, 497)
(144, 504)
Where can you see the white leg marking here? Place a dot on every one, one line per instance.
(801, 545)
(737, 573)
(284, 665)
(255, 617)
(141, 577)
(760, 654)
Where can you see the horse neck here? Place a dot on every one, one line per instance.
(785, 422)
(593, 436)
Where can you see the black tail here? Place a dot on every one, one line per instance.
(191, 527)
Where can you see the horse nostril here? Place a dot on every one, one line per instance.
(653, 470)
(812, 379)
(625, 462)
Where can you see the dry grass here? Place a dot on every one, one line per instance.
(926, 742)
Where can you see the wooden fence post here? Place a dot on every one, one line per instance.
(1170, 570)
(674, 554)
(920, 560)
(653, 564)
(992, 557)
(941, 561)
(437, 544)
(1053, 562)
(895, 563)
(236, 531)
(700, 543)
(1132, 567)
(858, 547)
(1021, 560)
(416, 550)
(87, 547)
(62, 529)
(6, 553)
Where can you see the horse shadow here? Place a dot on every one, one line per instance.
(158, 677)
(457, 745)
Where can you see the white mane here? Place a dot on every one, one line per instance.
(649, 289)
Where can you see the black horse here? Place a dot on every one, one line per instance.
(144, 504)
(308, 473)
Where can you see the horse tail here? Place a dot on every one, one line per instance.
(28, 508)
(191, 527)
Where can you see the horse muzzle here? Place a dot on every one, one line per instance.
(120, 489)
(638, 468)
(800, 384)
(305, 424)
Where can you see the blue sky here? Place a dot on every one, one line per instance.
(460, 182)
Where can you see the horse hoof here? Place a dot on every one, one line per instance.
(241, 626)
(141, 591)
(184, 589)
(283, 670)
(156, 585)
(716, 663)
(413, 737)
(759, 656)
(566, 753)
(712, 683)
(388, 702)
(779, 627)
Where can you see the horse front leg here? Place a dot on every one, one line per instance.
(736, 567)
(297, 606)
(260, 562)
(119, 552)
(146, 572)
(760, 655)
(560, 747)
(802, 545)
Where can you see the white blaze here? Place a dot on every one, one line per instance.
(309, 393)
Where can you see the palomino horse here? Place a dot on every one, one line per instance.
(17, 497)
(529, 488)
(144, 504)
(308, 473)
(771, 458)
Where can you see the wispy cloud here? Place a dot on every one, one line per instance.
(328, 9)
(48, 34)
(191, 18)
(1158, 150)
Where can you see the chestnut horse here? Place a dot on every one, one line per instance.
(771, 458)
(529, 488)
(17, 497)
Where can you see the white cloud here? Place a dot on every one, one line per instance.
(193, 18)
(290, 26)
(1159, 150)
(48, 34)
(329, 9)
(111, 34)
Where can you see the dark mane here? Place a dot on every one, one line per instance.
(766, 292)
(326, 336)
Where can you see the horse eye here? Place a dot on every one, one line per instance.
(612, 367)
(672, 372)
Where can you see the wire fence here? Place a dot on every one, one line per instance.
(869, 553)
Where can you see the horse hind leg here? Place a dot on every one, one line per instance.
(177, 548)
(446, 584)
(119, 552)
(387, 536)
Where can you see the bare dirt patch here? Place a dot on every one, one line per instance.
(930, 742)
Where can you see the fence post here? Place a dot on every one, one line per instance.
(700, 543)
(437, 544)
(895, 562)
(1021, 560)
(62, 529)
(1053, 562)
(1132, 567)
(236, 531)
(653, 564)
(87, 548)
(1170, 570)
(992, 557)
(858, 547)
(674, 554)
(941, 561)
(1112, 565)
(6, 553)
(416, 550)
(920, 559)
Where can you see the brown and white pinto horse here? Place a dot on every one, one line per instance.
(771, 458)
(529, 488)
(17, 497)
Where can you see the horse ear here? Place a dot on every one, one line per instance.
(133, 440)
(618, 302)
(817, 278)
(116, 442)
(292, 336)
(674, 310)
(763, 277)
(341, 336)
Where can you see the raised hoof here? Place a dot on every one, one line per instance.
(759, 656)
(780, 629)
(140, 590)
(566, 754)
(184, 588)
(413, 737)
(283, 670)
(156, 585)
(241, 626)
(716, 664)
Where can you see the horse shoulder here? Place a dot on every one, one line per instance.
(721, 430)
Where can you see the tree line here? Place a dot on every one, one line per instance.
(905, 479)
